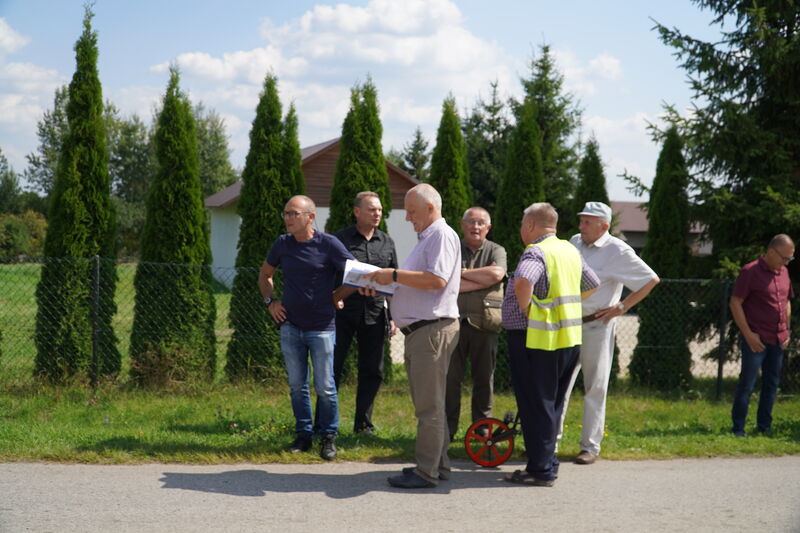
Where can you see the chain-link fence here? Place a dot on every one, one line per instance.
(95, 319)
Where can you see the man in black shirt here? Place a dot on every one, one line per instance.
(364, 316)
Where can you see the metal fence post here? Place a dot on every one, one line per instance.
(723, 335)
(95, 313)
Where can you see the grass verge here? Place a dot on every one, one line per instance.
(253, 423)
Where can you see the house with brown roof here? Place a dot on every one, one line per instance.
(318, 163)
(631, 226)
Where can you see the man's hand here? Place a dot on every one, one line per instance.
(392, 329)
(609, 313)
(277, 310)
(754, 342)
(381, 277)
(785, 343)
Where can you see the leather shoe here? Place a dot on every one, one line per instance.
(585, 458)
(410, 481)
(410, 470)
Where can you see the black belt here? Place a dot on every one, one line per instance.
(418, 324)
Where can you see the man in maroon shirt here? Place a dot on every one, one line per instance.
(761, 308)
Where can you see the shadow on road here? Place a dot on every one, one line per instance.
(253, 482)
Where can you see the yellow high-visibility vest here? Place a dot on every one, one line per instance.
(555, 322)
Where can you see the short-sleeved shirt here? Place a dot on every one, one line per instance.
(309, 277)
(765, 294)
(438, 251)
(532, 267)
(379, 251)
(617, 265)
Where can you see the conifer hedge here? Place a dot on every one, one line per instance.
(82, 226)
(173, 327)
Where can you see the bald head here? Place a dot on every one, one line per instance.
(543, 214)
(303, 201)
(780, 240)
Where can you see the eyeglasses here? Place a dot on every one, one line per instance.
(294, 214)
(786, 260)
(475, 222)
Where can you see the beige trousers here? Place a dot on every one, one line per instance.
(427, 358)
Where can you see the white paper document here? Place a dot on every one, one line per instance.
(354, 272)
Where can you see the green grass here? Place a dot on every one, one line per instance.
(253, 423)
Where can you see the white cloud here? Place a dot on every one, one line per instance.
(583, 78)
(10, 39)
(606, 66)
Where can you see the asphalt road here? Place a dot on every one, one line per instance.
(691, 495)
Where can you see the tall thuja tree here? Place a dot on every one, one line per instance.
(173, 326)
(591, 182)
(662, 359)
(82, 226)
(361, 165)
(292, 155)
(269, 179)
(559, 119)
(522, 184)
(449, 166)
(486, 133)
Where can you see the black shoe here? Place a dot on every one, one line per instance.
(302, 443)
(410, 470)
(366, 430)
(328, 450)
(410, 481)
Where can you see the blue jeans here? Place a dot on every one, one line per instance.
(769, 360)
(297, 345)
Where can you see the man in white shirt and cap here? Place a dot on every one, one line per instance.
(617, 265)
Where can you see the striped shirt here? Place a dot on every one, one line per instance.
(532, 267)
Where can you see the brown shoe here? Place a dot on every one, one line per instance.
(585, 458)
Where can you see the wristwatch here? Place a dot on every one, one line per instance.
(394, 275)
(268, 300)
(621, 307)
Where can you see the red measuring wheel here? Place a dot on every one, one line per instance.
(489, 442)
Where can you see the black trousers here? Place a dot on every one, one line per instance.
(540, 380)
(370, 339)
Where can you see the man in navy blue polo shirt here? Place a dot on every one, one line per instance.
(310, 261)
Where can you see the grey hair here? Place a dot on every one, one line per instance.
(362, 195)
(427, 193)
(477, 208)
(542, 213)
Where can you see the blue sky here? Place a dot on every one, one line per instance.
(417, 51)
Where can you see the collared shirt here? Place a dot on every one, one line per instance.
(532, 267)
(765, 294)
(309, 276)
(438, 251)
(617, 265)
(380, 251)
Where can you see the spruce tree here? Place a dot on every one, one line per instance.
(361, 165)
(269, 179)
(486, 134)
(82, 226)
(591, 182)
(662, 358)
(449, 166)
(559, 118)
(415, 156)
(173, 327)
(522, 182)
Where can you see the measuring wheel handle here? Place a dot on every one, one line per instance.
(489, 442)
